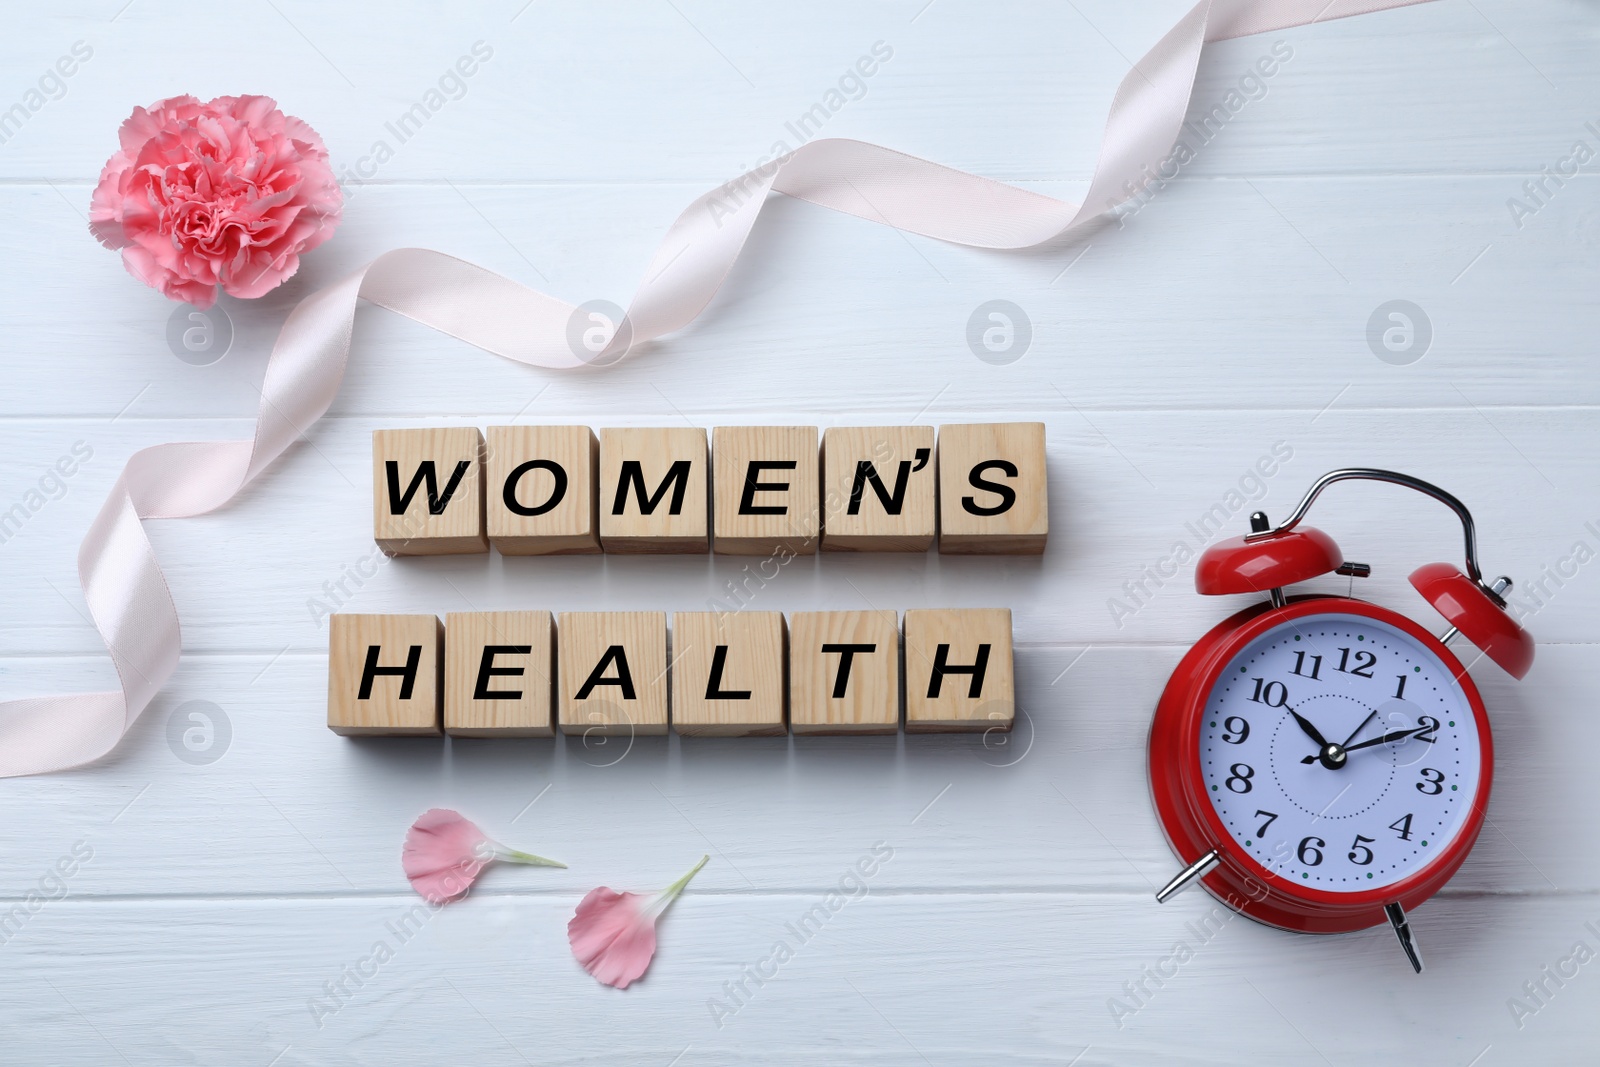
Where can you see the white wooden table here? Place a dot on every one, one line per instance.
(1228, 317)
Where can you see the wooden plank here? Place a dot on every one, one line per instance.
(1185, 259)
(853, 977)
(1018, 94)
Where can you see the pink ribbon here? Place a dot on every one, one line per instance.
(122, 582)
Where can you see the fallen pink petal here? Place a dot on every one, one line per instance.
(614, 934)
(445, 852)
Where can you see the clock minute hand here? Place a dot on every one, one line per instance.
(1386, 738)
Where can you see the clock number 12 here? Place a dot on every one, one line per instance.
(1363, 665)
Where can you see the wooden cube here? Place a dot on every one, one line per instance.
(728, 673)
(878, 489)
(653, 490)
(844, 672)
(541, 493)
(499, 674)
(959, 671)
(427, 491)
(384, 674)
(992, 497)
(613, 673)
(764, 490)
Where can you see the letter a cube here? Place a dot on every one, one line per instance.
(612, 673)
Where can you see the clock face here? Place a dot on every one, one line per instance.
(1339, 752)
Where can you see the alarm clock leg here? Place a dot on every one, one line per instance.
(1402, 930)
(1189, 874)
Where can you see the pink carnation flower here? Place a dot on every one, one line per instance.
(613, 935)
(445, 852)
(227, 193)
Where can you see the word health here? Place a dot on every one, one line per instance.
(619, 673)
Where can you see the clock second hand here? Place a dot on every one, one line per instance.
(1345, 744)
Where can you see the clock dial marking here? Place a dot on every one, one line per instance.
(1337, 815)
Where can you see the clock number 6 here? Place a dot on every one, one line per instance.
(1310, 851)
(1432, 783)
(1358, 850)
(1241, 773)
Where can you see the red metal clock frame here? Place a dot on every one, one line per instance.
(1193, 827)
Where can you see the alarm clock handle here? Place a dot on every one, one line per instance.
(1406, 481)
(1402, 930)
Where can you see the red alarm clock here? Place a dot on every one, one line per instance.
(1319, 763)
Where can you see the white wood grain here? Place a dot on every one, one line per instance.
(1169, 354)
(955, 978)
(1281, 302)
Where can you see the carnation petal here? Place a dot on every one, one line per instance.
(445, 852)
(613, 935)
(443, 855)
(144, 123)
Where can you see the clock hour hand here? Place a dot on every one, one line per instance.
(1331, 756)
(1309, 730)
